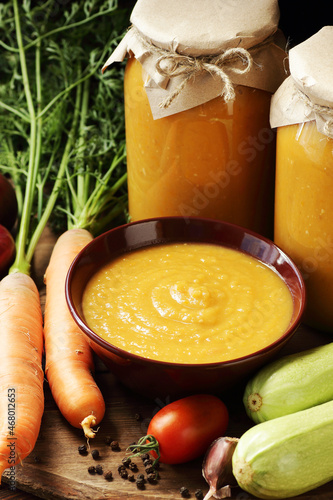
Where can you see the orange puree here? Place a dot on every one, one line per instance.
(215, 160)
(188, 303)
(304, 213)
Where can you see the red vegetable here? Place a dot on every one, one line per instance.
(186, 428)
(7, 251)
(8, 203)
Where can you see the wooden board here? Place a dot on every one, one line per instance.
(56, 470)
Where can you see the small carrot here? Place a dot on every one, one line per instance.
(68, 356)
(21, 374)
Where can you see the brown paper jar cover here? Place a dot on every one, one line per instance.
(168, 29)
(307, 93)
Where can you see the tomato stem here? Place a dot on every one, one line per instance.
(145, 444)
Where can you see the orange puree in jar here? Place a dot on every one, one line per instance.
(188, 303)
(304, 213)
(214, 160)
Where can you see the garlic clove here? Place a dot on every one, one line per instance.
(217, 467)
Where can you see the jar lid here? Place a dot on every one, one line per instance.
(208, 28)
(192, 55)
(307, 94)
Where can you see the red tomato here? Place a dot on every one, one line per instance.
(8, 203)
(7, 251)
(185, 428)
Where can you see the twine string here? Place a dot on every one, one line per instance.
(171, 64)
(321, 110)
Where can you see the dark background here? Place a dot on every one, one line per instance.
(300, 20)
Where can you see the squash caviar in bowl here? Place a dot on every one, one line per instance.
(174, 306)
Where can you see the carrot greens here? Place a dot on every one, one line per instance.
(62, 127)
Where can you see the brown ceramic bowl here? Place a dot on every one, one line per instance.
(158, 378)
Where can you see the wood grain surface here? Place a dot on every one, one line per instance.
(55, 469)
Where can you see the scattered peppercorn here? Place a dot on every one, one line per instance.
(99, 469)
(121, 467)
(184, 492)
(37, 459)
(82, 449)
(138, 417)
(95, 454)
(123, 474)
(131, 477)
(147, 462)
(114, 446)
(151, 477)
(133, 467)
(141, 477)
(126, 461)
(198, 494)
(92, 469)
(108, 475)
(140, 483)
(149, 469)
(145, 456)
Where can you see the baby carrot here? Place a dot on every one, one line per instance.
(68, 356)
(21, 374)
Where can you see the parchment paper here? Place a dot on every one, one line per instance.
(307, 94)
(203, 28)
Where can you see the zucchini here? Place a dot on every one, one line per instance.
(287, 456)
(290, 384)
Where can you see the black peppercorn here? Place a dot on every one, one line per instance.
(140, 483)
(198, 494)
(131, 477)
(114, 445)
(95, 454)
(108, 475)
(126, 461)
(151, 477)
(141, 477)
(184, 492)
(99, 469)
(149, 469)
(145, 456)
(132, 466)
(137, 417)
(123, 473)
(92, 469)
(147, 462)
(82, 449)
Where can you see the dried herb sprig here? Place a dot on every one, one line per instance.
(145, 444)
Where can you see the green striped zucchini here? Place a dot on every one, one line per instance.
(290, 384)
(287, 456)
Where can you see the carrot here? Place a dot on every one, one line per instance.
(21, 374)
(68, 356)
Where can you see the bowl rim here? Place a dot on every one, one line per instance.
(126, 355)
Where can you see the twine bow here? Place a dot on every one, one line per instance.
(173, 64)
(170, 64)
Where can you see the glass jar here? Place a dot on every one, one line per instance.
(304, 213)
(214, 160)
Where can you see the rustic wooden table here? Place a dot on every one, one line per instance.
(55, 469)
